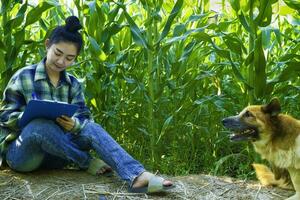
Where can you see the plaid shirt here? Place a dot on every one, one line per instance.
(34, 80)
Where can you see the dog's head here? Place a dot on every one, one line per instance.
(253, 122)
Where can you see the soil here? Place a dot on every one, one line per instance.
(73, 185)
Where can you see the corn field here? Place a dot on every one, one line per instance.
(160, 75)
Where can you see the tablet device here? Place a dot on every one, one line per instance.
(46, 109)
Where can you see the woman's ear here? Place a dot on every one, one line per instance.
(47, 44)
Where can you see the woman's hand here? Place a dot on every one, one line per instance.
(65, 122)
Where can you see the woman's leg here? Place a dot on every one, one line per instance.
(41, 137)
(54, 162)
(110, 151)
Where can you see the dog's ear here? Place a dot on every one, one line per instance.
(273, 108)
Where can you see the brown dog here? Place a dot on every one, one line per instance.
(276, 137)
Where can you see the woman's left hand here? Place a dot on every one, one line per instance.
(66, 122)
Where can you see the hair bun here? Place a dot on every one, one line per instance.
(72, 24)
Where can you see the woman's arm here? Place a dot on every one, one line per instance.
(13, 104)
(83, 114)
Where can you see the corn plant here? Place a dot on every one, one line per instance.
(160, 75)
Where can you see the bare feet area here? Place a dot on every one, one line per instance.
(71, 184)
(143, 179)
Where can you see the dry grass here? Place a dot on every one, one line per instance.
(70, 184)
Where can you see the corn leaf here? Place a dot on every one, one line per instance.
(175, 11)
(35, 13)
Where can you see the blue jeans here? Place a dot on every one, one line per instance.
(43, 142)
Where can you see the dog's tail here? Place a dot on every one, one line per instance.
(275, 177)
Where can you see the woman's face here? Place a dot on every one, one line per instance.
(60, 55)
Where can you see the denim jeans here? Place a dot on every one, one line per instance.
(43, 143)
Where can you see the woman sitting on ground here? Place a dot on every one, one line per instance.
(67, 140)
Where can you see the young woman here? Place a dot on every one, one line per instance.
(67, 140)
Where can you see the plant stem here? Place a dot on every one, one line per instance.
(152, 131)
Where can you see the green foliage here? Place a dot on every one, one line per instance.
(160, 76)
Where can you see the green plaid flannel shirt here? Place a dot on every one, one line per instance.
(34, 80)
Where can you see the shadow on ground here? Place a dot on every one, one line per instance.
(73, 185)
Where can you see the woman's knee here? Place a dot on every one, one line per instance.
(92, 129)
(40, 123)
(41, 126)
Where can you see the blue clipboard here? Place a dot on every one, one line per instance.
(46, 109)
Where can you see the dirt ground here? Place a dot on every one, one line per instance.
(73, 185)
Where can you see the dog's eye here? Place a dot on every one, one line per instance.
(248, 114)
